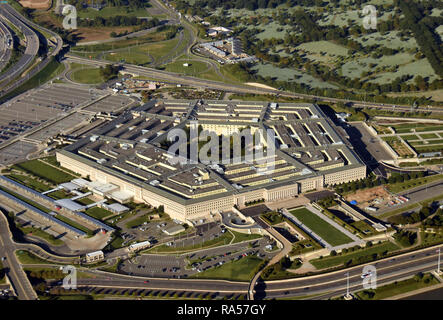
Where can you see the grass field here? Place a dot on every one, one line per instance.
(341, 259)
(44, 171)
(330, 234)
(41, 234)
(107, 12)
(26, 257)
(194, 68)
(240, 270)
(87, 76)
(141, 55)
(398, 287)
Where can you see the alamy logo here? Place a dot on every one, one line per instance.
(70, 20)
(241, 147)
(370, 19)
(70, 281)
(369, 277)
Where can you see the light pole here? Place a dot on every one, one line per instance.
(347, 296)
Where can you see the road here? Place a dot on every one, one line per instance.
(19, 280)
(416, 195)
(32, 44)
(5, 45)
(218, 85)
(324, 286)
(32, 47)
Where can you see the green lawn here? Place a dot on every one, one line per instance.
(107, 12)
(141, 55)
(44, 171)
(194, 68)
(398, 287)
(26, 257)
(330, 234)
(354, 256)
(87, 76)
(98, 213)
(239, 237)
(41, 234)
(138, 221)
(240, 270)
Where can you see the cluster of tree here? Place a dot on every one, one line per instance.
(405, 238)
(423, 28)
(415, 216)
(435, 221)
(131, 4)
(118, 21)
(371, 181)
(275, 271)
(109, 71)
(251, 203)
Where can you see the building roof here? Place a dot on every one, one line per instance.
(69, 204)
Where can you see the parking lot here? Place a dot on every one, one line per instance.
(110, 104)
(16, 152)
(37, 106)
(186, 265)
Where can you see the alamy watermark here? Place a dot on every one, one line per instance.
(70, 281)
(370, 19)
(70, 20)
(369, 277)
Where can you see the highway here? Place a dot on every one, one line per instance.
(32, 44)
(218, 85)
(19, 280)
(323, 285)
(32, 47)
(5, 45)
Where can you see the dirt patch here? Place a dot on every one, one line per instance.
(36, 4)
(368, 195)
(97, 34)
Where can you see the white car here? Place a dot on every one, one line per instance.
(367, 274)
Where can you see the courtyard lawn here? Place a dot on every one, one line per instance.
(98, 213)
(44, 171)
(240, 270)
(333, 261)
(330, 234)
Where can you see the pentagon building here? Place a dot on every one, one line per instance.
(130, 156)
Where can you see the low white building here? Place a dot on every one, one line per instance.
(139, 246)
(95, 256)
